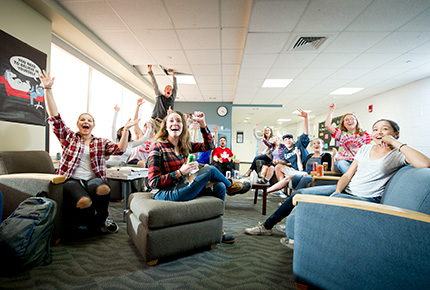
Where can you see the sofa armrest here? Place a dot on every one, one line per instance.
(324, 180)
(350, 244)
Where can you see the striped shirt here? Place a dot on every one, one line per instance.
(73, 148)
(164, 163)
(349, 143)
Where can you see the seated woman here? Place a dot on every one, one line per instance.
(86, 191)
(367, 176)
(350, 137)
(266, 154)
(276, 148)
(302, 180)
(171, 176)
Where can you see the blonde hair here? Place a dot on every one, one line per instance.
(358, 129)
(184, 143)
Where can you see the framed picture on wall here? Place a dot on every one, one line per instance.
(21, 92)
(239, 137)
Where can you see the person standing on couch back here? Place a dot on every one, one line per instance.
(367, 176)
(86, 191)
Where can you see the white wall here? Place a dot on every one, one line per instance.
(408, 105)
(20, 21)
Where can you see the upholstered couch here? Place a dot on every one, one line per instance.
(161, 229)
(342, 243)
(26, 173)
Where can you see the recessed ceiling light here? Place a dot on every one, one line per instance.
(276, 83)
(284, 120)
(297, 112)
(184, 79)
(346, 91)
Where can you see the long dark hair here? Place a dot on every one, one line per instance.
(184, 143)
(393, 125)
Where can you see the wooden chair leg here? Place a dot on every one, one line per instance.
(301, 286)
(213, 246)
(153, 262)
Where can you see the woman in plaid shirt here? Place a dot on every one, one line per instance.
(86, 191)
(171, 176)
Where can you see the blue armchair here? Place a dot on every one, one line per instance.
(348, 244)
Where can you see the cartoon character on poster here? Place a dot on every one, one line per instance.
(21, 93)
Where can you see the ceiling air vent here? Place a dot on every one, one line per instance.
(306, 43)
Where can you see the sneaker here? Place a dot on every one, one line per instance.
(280, 228)
(278, 193)
(109, 227)
(258, 230)
(228, 239)
(287, 243)
(262, 180)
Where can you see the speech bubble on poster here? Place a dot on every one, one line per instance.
(25, 66)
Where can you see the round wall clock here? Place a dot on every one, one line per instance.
(222, 111)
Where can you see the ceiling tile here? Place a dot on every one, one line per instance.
(330, 15)
(235, 13)
(371, 60)
(136, 57)
(332, 60)
(158, 39)
(354, 41)
(400, 42)
(294, 60)
(200, 38)
(194, 13)
(231, 56)
(276, 16)
(258, 60)
(206, 70)
(142, 14)
(231, 70)
(169, 58)
(265, 42)
(386, 15)
(203, 56)
(208, 79)
(233, 38)
(120, 40)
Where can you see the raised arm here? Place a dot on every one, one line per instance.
(413, 157)
(115, 117)
(216, 135)
(254, 132)
(304, 115)
(123, 142)
(154, 82)
(299, 159)
(329, 119)
(48, 82)
(136, 127)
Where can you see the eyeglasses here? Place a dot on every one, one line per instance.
(349, 119)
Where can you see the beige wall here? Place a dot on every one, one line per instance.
(20, 21)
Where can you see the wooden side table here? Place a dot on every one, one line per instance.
(263, 187)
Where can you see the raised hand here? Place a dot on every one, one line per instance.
(140, 101)
(149, 67)
(332, 107)
(215, 129)
(169, 110)
(45, 78)
(302, 113)
(117, 108)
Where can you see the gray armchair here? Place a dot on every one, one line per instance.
(26, 173)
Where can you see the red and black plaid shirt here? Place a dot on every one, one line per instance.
(163, 163)
(73, 147)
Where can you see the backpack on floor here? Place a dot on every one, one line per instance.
(25, 235)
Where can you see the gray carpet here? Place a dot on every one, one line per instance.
(112, 262)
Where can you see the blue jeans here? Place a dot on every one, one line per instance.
(300, 181)
(263, 157)
(326, 190)
(342, 166)
(197, 186)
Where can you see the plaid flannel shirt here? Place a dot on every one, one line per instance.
(164, 164)
(73, 147)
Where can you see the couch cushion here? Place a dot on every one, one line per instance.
(25, 162)
(409, 188)
(160, 213)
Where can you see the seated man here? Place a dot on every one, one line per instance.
(223, 157)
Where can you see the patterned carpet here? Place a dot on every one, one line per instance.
(112, 262)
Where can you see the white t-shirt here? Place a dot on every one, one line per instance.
(372, 176)
(84, 170)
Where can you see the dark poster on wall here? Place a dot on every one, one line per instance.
(21, 93)
(324, 134)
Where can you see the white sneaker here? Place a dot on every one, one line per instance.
(109, 227)
(258, 230)
(278, 193)
(287, 243)
(280, 228)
